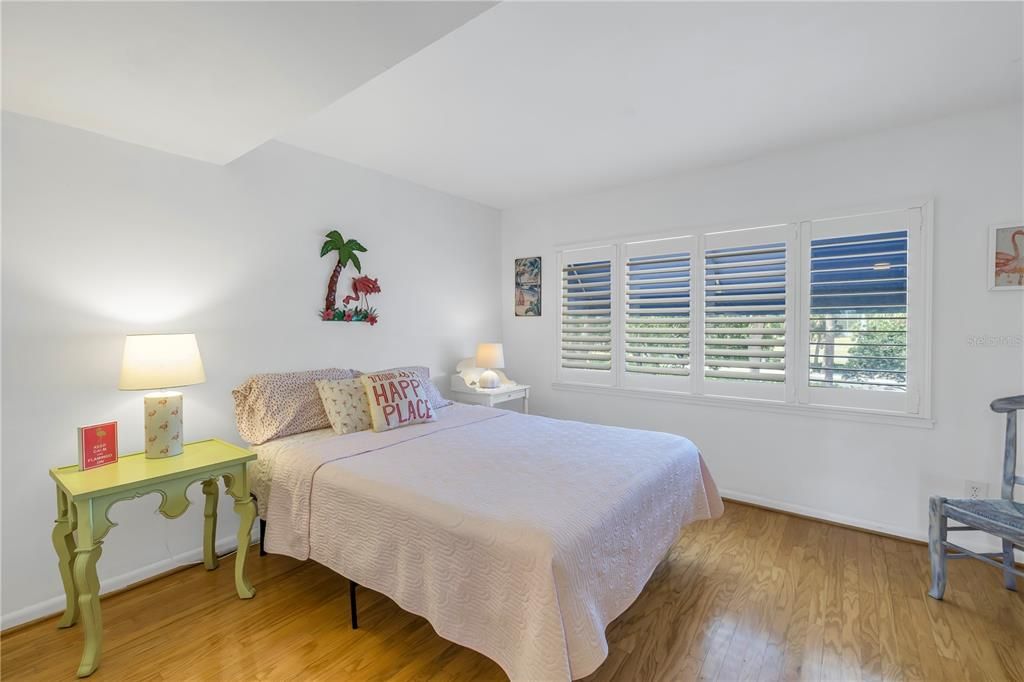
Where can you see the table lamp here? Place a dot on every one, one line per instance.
(489, 356)
(158, 361)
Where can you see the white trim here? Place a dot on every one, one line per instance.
(986, 542)
(888, 529)
(55, 605)
(701, 229)
(775, 406)
(801, 394)
(697, 318)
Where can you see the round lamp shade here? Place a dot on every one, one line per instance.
(490, 356)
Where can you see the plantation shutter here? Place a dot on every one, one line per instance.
(746, 306)
(656, 308)
(585, 327)
(860, 309)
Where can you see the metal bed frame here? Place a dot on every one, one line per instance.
(352, 585)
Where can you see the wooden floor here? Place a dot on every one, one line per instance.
(754, 595)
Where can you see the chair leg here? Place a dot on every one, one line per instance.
(263, 536)
(936, 549)
(1009, 579)
(352, 603)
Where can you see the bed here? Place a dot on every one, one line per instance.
(520, 537)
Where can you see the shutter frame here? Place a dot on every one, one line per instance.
(846, 231)
(765, 256)
(656, 350)
(587, 337)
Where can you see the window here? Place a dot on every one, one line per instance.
(745, 311)
(864, 311)
(827, 312)
(585, 329)
(656, 341)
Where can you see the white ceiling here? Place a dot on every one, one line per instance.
(513, 105)
(533, 100)
(208, 80)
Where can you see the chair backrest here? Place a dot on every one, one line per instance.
(1010, 406)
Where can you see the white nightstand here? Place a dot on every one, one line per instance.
(492, 396)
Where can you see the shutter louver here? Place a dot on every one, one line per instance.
(586, 325)
(657, 309)
(858, 311)
(745, 313)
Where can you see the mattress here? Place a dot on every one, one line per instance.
(518, 536)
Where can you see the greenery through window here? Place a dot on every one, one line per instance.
(858, 324)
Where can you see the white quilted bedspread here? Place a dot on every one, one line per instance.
(520, 537)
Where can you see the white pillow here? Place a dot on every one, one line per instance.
(345, 404)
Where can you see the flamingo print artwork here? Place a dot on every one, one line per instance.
(1009, 267)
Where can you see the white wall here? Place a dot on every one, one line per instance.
(103, 239)
(871, 475)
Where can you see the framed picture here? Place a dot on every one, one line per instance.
(528, 287)
(1006, 257)
(97, 445)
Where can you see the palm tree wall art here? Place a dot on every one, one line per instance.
(362, 286)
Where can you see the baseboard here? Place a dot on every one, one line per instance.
(819, 515)
(55, 605)
(989, 543)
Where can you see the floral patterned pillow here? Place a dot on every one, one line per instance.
(269, 406)
(346, 405)
(397, 398)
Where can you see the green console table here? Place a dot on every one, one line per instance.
(85, 497)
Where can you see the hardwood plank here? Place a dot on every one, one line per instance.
(754, 595)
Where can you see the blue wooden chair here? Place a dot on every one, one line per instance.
(1003, 518)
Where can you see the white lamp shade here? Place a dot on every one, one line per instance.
(154, 361)
(490, 355)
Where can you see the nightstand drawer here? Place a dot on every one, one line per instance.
(492, 397)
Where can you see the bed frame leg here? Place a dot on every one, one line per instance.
(352, 585)
(263, 536)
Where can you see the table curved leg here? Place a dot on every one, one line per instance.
(88, 586)
(211, 492)
(64, 544)
(246, 511)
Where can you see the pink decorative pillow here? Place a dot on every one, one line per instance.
(269, 406)
(397, 398)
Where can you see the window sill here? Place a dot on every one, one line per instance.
(819, 411)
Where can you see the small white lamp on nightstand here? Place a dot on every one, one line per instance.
(490, 356)
(154, 361)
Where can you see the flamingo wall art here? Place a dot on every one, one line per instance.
(354, 307)
(1006, 257)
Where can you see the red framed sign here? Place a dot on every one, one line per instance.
(97, 445)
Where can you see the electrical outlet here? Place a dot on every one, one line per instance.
(975, 490)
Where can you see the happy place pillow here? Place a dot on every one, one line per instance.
(397, 398)
(433, 394)
(345, 403)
